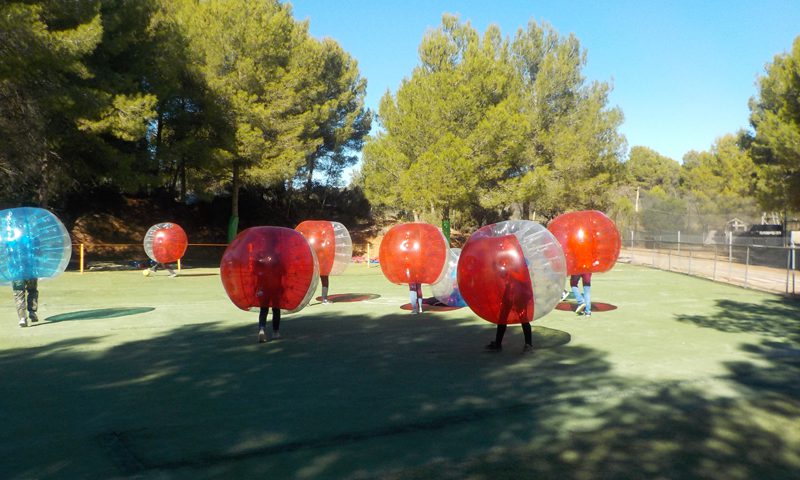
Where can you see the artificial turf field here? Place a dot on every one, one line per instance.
(134, 377)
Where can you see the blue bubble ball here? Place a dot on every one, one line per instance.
(33, 244)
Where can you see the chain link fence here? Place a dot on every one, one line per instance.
(767, 264)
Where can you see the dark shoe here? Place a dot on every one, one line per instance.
(276, 334)
(587, 314)
(494, 347)
(528, 348)
(32, 316)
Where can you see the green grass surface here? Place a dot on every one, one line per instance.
(134, 377)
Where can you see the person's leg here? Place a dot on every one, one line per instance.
(262, 325)
(172, 273)
(573, 283)
(419, 297)
(526, 330)
(412, 292)
(32, 286)
(276, 322)
(497, 344)
(586, 280)
(19, 299)
(324, 280)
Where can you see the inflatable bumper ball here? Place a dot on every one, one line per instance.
(446, 289)
(511, 272)
(590, 241)
(269, 267)
(33, 244)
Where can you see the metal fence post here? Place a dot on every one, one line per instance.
(746, 265)
(714, 273)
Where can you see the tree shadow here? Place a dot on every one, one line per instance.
(98, 313)
(350, 297)
(400, 396)
(777, 317)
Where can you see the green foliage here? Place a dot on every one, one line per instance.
(775, 117)
(662, 212)
(720, 180)
(488, 123)
(646, 168)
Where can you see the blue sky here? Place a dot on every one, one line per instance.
(682, 71)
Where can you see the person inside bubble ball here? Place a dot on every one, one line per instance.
(26, 296)
(514, 296)
(583, 297)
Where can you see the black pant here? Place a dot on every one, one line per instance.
(276, 318)
(501, 330)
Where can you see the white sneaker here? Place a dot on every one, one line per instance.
(580, 308)
(262, 336)
(23, 322)
(564, 295)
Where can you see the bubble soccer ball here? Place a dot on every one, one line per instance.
(590, 241)
(331, 243)
(165, 242)
(33, 244)
(269, 267)
(446, 289)
(413, 253)
(511, 272)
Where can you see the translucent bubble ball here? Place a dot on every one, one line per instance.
(511, 272)
(590, 241)
(269, 267)
(413, 253)
(165, 242)
(331, 242)
(446, 289)
(33, 244)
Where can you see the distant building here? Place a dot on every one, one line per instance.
(735, 225)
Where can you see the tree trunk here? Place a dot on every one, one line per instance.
(43, 192)
(416, 216)
(310, 177)
(159, 128)
(233, 225)
(183, 179)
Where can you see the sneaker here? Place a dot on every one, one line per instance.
(587, 314)
(33, 317)
(528, 348)
(580, 308)
(23, 322)
(493, 347)
(326, 302)
(564, 295)
(262, 336)
(276, 334)
(173, 275)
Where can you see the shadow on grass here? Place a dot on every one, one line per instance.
(98, 313)
(401, 396)
(350, 297)
(779, 317)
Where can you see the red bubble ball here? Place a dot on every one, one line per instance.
(494, 279)
(590, 240)
(413, 253)
(165, 242)
(331, 242)
(269, 267)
